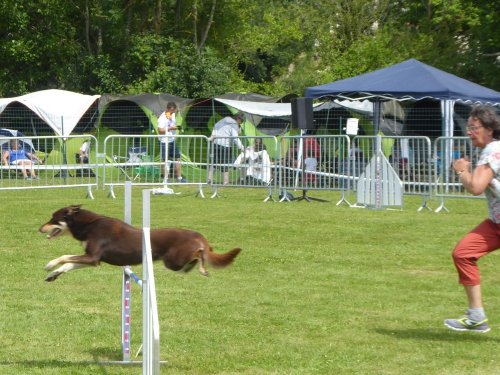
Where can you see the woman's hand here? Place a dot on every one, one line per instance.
(461, 165)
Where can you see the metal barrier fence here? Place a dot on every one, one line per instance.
(200, 162)
(446, 181)
(314, 163)
(252, 163)
(140, 159)
(373, 167)
(376, 182)
(410, 162)
(53, 162)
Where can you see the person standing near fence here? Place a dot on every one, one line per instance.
(483, 129)
(224, 135)
(167, 125)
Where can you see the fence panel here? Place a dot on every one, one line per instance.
(406, 160)
(57, 162)
(140, 159)
(291, 163)
(252, 167)
(447, 183)
(313, 163)
(411, 158)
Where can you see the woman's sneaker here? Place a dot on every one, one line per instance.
(467, 324)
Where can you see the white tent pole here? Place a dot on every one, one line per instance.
(377, 112)
(299, 157)
(447, 121)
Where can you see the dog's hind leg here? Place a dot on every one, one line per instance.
(67, 267)
(201, 265)
(189, 266)
(197, 257)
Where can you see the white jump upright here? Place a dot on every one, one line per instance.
(150, 324)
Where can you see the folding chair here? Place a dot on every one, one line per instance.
(147, 170)
(130, 166)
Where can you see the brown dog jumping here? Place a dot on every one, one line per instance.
(112, 241)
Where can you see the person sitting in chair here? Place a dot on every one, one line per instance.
(256, 164)
(82, 157)
(19, 157)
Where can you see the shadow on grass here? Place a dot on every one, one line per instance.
(103, 354)
(433, 334)
(102, 357)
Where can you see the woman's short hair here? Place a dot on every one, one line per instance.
(488, 118)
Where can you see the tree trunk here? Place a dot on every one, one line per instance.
(177, 15)
(203, 40)
(195, 22)
(157, 17)
(87, 27)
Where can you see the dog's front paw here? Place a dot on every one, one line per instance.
(52, 276)
(52, 264)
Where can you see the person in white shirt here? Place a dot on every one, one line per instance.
(84, 152)
(224, 135)
(167, 127)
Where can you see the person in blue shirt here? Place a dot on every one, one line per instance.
(19, 157)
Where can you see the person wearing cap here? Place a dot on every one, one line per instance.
(225, 134)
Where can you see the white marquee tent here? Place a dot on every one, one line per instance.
(60, 109)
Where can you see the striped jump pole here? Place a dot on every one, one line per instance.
(150, 325)
(126, 283)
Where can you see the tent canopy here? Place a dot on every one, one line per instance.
(259, 108)
(60, 109)
(156, 103)
(275, 118)
(135, 114)
(410, 79)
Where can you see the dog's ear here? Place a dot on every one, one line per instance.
(73, 209)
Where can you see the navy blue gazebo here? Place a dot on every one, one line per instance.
(409, 80)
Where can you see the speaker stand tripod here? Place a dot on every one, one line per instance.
(305, 197)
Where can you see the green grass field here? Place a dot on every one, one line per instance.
(318, 289)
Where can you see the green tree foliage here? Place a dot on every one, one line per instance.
(199, 48)
(336, 29)
(363, 35)
(177, 68)
(37, 45)
(458, 36)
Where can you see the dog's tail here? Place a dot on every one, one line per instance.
(222, 260)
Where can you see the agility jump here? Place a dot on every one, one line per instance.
(150, 323)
